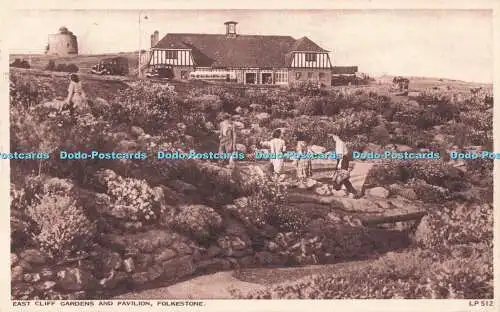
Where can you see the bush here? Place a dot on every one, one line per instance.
(457, 224)
(410, 275)
(63, 228)
(51, 65)
(380, 135)
(69, 68)
(20, 63)
(198, 221)
(133, 199)
(145, 104)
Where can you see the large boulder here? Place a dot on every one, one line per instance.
(76, 279)
(378, 192)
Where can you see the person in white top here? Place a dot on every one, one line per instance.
(76, 100)
(277, 148)
(342, 167)
(227, 137)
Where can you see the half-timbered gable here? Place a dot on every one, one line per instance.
(252, 59)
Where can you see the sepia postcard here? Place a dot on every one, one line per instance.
(172, 156)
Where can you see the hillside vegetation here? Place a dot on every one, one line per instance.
(66, 209)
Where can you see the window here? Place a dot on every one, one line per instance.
(184, 75)
(281, 77)
(309, 75)
(311, 57)
(171, 54)
(321, 76)
(298, 75)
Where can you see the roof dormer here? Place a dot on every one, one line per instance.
(231, 29)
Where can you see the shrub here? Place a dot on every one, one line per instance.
(26, 92)
(133, 199)
(456, 224)
(147, 105)
(20, 63)
(51, 65)
(63, 227)
(380, 135)
(198, 221)
(410, 275)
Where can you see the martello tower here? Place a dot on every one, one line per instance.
(63, 43)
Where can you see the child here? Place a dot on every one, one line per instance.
(303, 163)
(277, 148)
(342, 174)
(227, 137)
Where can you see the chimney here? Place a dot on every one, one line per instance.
(155, 37)
(231, 29)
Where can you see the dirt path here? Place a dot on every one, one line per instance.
(212, 286)
(218, 285)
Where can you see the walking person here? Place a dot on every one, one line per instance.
(76, 100)
(227, 137)
(342, 174)
(303, 162)
(277, 148)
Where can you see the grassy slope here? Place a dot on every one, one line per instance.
(84, 62)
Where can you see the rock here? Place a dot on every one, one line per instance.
(137, 131)
(440, 138)
(114, 278)
(212, 252)
(129, 265)
(238, 244)
(47, 274)
(48, 285)
(33, 256)
(75, 279)
(17, 273)
(155, 272)
(139, 279)
(256, 107)
(272, 246)
(318, 149)
(247, 262)
(182, 187)
(209, 125)
(403, 148)
(262, 116)
(379, 192)
(238, 109)
(112, 261)
(214, 265)
(165, 254)
(267, 258)
(178, 268)
(181, 126)
(182, 249)
(143, 261)
(13, 259)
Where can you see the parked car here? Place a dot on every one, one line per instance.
(161, 73)
(111, 66)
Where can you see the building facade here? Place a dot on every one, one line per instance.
(64, 43)
(252, 59)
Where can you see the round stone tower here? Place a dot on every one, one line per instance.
(63, 43)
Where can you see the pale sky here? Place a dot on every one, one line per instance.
(439, 43)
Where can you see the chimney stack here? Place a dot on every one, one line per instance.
(155, 37)
(231, 29)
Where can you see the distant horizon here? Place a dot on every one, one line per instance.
(442, 44)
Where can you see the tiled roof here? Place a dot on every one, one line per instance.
(214, 50)
(305, 44)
